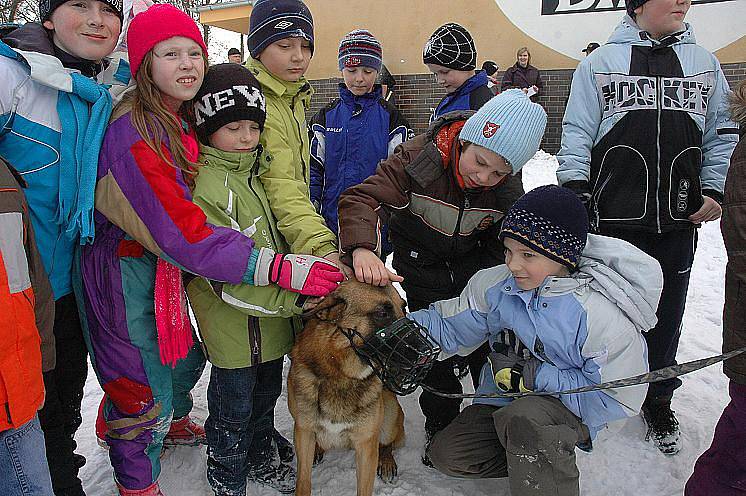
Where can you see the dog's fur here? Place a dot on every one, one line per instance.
(335, 398)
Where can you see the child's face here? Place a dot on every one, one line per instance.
(662, 17)
(359, 80)
(178, 69)
(88, 29)
(288, 58)
(482, 168)
(238, 136)
(528, 267)
(449, 79)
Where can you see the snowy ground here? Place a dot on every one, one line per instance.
(619, 465)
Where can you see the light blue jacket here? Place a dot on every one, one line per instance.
(585, 328)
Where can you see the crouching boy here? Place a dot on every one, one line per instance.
(565, 311)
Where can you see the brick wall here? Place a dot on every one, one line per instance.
(418, 94)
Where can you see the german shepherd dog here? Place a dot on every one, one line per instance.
(335, 398)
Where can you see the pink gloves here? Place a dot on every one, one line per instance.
(304, 274)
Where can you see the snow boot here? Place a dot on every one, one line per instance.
(279, 477)
(429, 434)
(663, 427)
(184, 432)
(152, 490)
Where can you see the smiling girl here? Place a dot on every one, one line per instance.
(139, 335)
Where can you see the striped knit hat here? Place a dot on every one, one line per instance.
(550, 220)
(274, 20)
(360, 48)
(509, 124)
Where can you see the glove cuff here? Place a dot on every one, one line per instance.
(263, 269)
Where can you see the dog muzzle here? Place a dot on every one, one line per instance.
(401, 354)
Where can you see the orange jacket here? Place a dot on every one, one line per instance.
(26, 310)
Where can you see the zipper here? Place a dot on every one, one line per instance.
(300, 135)
(254, 174)
(658, 149)
(255, 340)
(450, 272)
(7, 413)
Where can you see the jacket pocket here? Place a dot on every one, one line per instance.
(684, 187)
(620, 190)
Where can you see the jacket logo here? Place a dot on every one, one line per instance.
(682, 200)
(283, 25)
(485, 223)
(490, 128)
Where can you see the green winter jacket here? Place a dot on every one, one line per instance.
(241, 325)
(285, 171)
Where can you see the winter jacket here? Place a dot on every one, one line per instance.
(522, 77)
(584, 328)
(241, 325)
(441, 233)
(646, 131)
(144, 211)
(26, 309)
(349, 137)
(469, 96)
(287, 176)
(732, 227)
(33, 87)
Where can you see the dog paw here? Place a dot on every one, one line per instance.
(388, 471)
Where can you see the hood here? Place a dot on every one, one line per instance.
(235, 162)
(272, 84)
(626, 276)
(628, 32)
(370, 98)
(478, 79)
(31, 37)
(738, 106)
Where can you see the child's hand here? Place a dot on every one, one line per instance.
(305, 274)
(370, 269)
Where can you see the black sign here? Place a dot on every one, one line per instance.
(553, 7)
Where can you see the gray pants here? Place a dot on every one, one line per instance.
(532, 441)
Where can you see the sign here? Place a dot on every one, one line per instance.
(567, 26)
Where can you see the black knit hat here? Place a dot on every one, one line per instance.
(632, 5)
(229, 93)
(234, 51)
(46, 7)
(451, 46)
(550, 220)
(274, 20)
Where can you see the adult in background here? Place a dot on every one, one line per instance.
(651, 169)
(722, 468)
(234, 55)
(490, 68)
(523, 75)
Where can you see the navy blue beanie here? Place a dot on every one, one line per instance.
(274, 20)
(632, 5)
(550, 220)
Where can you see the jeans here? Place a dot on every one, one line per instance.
(23, 464)
(239, 427)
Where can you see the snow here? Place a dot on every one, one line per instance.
(621, 463)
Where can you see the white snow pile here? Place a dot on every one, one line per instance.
(621, 463)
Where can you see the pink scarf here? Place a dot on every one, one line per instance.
(175, 337)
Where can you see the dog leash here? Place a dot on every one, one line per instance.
(655, 376)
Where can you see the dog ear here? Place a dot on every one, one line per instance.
(330, 309)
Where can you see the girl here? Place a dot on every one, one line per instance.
(137, 328)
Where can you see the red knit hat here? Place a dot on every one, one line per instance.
(159, 23)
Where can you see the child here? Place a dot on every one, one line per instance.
(554, 321)
(443, 195)
(247, 330)
(280, 42)
(27, 340)
(650, 165)
(53, 112)
(147, 228)
(351, 135)
(450, 54)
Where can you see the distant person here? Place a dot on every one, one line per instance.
(234, 55)
(591, 46)
(490, 68)
(388, 83)
(523, 75)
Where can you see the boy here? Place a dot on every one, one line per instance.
(26, 320)
(554, 321)
(353, 133)
(443, 195)
(650, 163)
(247, 330)
(450, 54)
(52, 117)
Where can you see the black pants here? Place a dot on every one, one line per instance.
(60, 417)
(439, 411)
(675, 252)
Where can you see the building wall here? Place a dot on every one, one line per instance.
(418, 94)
